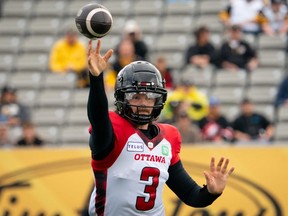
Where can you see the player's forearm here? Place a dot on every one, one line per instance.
(101, 141)
(97, 100)
(187, 189)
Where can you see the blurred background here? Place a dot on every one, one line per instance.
(224, 62)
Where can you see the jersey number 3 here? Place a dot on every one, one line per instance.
(148, 172)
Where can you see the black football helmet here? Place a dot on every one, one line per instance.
(139, 77)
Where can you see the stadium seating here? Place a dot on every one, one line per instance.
(200, 77)
(73, 7)
(210, 7)
(272, 58)
(28, 28)
(49, 116)
(171, 42)
(79, 98)
(9, 44)
(3, 78)
(230, 111)
(226, 78)
(36, 44)
(51, 134)
(17, 8)
(31, 62)
(13, 26)
(271, 42)
(7, 62)
(261, 94)
(26, 80)
(44, 26)
(148, 7)
(74, 135)
(117, 8)
(52, 8)
(177, 24)
(228, 94)
(28, 97)
(282, 114)
(59, 81)
(182, 8)
(281, 132)
(76, 116)
(54, 98)
(266, 77)
(266, 110)
(149, 24)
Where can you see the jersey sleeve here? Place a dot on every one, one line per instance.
(101, 140)
(120, 138)
(187, 189)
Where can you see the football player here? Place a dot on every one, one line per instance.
(132, 155)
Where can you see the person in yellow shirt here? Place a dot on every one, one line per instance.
(195, 101)
(69, 54)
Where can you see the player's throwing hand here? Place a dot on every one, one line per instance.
(97, 63)
(217, 177)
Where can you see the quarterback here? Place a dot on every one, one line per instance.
(133, 156)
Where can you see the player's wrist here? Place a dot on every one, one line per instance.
(216, 193)
(95, 77)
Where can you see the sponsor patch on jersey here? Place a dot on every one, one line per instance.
(165, 150)
(135, 147)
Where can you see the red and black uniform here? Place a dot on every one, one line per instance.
(131, 166)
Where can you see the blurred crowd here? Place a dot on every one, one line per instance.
(16, 127)
(198, 117)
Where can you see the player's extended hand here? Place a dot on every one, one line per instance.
(97, 63)
(217, 177)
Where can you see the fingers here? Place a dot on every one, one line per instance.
(207, 177)
(212, 164)
(219, 165)
(223, 170)
(231, 171)
(89, 47)
(97, 51)
(108, 54)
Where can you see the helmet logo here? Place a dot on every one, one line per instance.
(145, 84)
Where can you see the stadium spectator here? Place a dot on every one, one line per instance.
(11, 109)
(252, 126)
(190, 132)
(244, 14)
(166, 72)
(202, 53)
(215, 127)
(236, 53)
(5, 140)
(282, 94)
(69, 55)
(29, 136)
(186, 92)
(176, 107)
(126, 55)
(274, 18)
(132, 32)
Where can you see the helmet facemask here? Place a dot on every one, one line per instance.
(138, 118)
